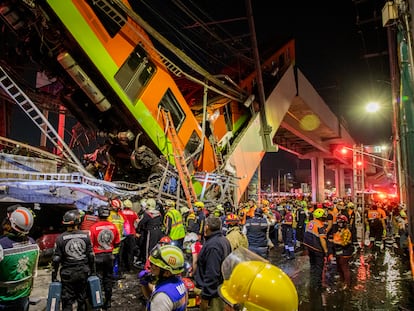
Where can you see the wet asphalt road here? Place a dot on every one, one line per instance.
(382, 282)
(379, 282)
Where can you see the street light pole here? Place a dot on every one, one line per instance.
(359, 184)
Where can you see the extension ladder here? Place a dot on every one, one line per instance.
(33, 112)
(179, 159)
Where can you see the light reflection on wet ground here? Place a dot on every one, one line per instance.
(379, 282)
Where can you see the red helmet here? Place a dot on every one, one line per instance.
(342, 218)
(116, 204)
(232, 219)
(165, 240)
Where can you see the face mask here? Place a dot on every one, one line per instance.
(195, 209)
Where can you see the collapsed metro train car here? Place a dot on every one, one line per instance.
(109, 75)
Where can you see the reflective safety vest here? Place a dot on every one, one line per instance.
(175, 289)
(177, 231)
(314, 231)
(18, 264)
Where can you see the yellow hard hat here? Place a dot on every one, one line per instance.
(199, 204)
(259, 286)
(128, 203)
(169, 203)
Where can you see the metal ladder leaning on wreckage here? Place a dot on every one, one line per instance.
(80, 175)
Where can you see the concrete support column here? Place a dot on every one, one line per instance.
(339, 181)
(314, 178)
(318, 179)
(321, 180)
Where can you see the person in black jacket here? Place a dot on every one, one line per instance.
(208, 274)
(74, 254)
(257, 232)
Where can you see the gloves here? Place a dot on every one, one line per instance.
(144, 277)
(384, 233)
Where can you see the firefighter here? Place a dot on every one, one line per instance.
(149, 228)
(257, 232)
(19, 255)
(235, 236)
(73, 253)
(169, 292)
(315, 241)
(118, 220)
(343, 250)
(287, 233)
(375, 224)
(173, 224)
(196, 220)
(105, 237)
(251, 283)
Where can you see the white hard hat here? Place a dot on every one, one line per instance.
(21, 220)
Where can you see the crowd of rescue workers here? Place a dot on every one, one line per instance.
(210, 258)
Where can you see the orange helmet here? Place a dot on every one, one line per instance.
(232, 220)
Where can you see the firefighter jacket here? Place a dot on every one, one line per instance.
(236, 238)
(256, 229)
(117, 219)
(104, 237)
(315, 230)
(343, 242)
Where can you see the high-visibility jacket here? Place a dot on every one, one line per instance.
(315, 230)
(174, 227)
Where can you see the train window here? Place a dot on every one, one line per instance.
(135, 73)
(193, 143)
(170, 103)
(112, 20)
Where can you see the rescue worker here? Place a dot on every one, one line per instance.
(375, 224)
(287, 233)
(163, 241)
(192, 247)
(256, 230)
(251, 208)
(116, 218)
(88, 219)
(105, 237)
(251, 283)
(300, 224)
(173, 224)
(128, 250)
(169, 292)
(19, 255)
(315, 241)
(197, 219)
(235, 236)
(332, 227)
(74, 255)
(350, 214)
(149, 229)
(343, 250)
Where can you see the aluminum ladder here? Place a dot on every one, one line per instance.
(33, 112)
